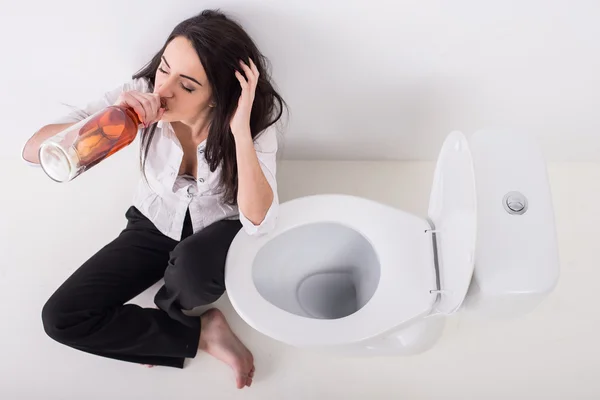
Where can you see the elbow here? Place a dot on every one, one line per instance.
(257, 214)
(256, 218)
(259, 221)
(30, 151)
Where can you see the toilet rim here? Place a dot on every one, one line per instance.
(365, 323)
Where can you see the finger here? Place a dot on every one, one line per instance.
(154, 100)
(243, 81)
(249, 72)
(156, 104)
(151, 104)
(159, 115)
(254, 69)
(161, 112)
(133, 102)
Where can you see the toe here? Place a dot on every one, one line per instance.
(241, 381)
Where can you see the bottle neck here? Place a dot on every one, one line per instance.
(132, 114)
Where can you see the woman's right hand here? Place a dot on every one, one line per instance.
(146, 105)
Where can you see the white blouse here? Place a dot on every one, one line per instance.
(168, 196)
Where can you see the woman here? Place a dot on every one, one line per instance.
(208, 163)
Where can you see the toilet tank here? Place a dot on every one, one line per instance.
(516, 256)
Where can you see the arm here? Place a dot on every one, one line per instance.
(32, 146)
(255, 195)
(257, 164)
(256, 161)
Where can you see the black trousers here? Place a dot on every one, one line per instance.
(88, 311)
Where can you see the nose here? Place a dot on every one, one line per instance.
(164, 90)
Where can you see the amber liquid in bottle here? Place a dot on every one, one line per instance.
(86, 143)
(105, 134)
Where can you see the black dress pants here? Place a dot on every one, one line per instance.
(88, 311)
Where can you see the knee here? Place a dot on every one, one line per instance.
(56, 321)
(197, 275)
(52, 320)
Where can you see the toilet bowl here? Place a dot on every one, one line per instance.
(346, 274)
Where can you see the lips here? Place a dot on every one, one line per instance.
(163, 103)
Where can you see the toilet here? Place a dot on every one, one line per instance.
(349, 275)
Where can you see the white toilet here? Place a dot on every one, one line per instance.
(346, 274)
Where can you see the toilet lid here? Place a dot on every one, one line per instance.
(452, 210)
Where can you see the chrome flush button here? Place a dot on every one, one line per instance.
(515, 203)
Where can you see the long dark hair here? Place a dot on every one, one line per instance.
(220, 43)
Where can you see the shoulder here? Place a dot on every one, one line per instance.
(78, 113)
(138, 84)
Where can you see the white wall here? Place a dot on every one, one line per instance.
(365, 80)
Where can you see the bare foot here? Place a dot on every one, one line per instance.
(217, 339)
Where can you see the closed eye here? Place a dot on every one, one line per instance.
(186, 88)
(182, 85)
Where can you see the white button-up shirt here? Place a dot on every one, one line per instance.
(166, 197)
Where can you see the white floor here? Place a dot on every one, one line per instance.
(553, 353)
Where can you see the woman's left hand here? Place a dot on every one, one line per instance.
(240, 122)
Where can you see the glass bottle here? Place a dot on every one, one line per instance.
(88, 142)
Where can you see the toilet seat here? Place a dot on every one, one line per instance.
(422, 270)
(453, 212)
(407, 274)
